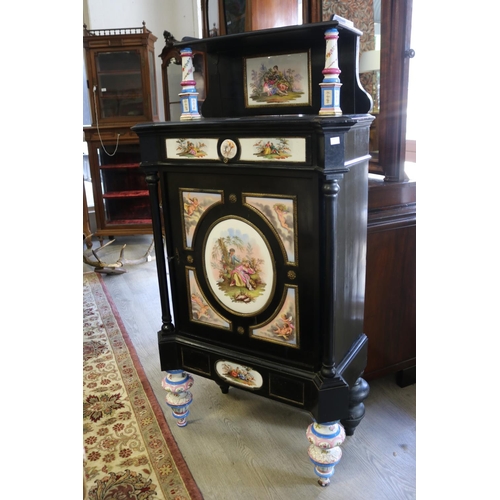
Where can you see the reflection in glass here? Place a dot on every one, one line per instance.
(234, 11)
(120, 83)
(239, 16)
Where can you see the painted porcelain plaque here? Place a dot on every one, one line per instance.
(284, 327)
(228, 149)
(192, 149)
(200, 309)
(279, 149)
(239, 374)
(281, 213)
(194, 205)
(239, 266)
(277, 80)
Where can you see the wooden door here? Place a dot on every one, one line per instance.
(262, 14)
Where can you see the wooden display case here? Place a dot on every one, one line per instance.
(121, 75)
(122, 86)
(120, 191)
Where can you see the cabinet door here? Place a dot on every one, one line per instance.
(119, 85)
(124, 190)
(240, 242)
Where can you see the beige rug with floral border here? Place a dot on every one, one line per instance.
(129, 449)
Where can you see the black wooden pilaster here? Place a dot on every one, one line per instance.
(161, 267)
(330, 189)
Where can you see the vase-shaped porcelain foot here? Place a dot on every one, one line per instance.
(177, 384)
(324, 451)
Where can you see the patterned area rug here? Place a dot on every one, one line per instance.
(130, 451)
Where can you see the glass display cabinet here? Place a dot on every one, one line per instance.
(121, 75)
(263, 207)
(120, 192)
(120, 67)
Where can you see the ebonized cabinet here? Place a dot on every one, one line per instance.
(265, 221)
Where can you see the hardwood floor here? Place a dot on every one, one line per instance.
(238, 445)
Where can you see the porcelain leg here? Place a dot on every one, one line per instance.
(325, 451)
(177, 384)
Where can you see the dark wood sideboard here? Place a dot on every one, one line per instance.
(390, 299)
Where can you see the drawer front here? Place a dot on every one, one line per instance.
(243, 149)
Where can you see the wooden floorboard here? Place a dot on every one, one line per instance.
(239, 445)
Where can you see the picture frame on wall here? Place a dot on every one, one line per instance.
(278, 80)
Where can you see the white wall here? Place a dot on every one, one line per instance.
(180, 17)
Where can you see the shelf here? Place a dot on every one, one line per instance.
(129, 222)
(125, 194)
(118, 72)
(120, 165)
(122, 95)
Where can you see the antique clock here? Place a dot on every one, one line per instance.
(263, 208)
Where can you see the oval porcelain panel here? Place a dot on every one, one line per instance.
(237, 374)
(239, 266)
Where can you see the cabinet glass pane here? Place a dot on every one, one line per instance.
(127, 210)
(124, 154)
(124, 188)
(129, 60)
(152, 79)
(120, 83)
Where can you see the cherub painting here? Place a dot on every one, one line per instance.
(283, 328)
(201, 311)
(194, 204)
(280, 212)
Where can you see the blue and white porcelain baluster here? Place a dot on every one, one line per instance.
(189, 95)
(330, 87)
(177, 384)
(324, 450)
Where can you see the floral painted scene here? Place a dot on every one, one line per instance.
(275, 80)
(239, 375)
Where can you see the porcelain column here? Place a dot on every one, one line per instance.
(330, 87)
(189, 95)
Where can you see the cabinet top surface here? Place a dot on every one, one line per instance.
(255, 40)
(279, 123)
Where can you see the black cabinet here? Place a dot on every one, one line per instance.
(265, 221)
